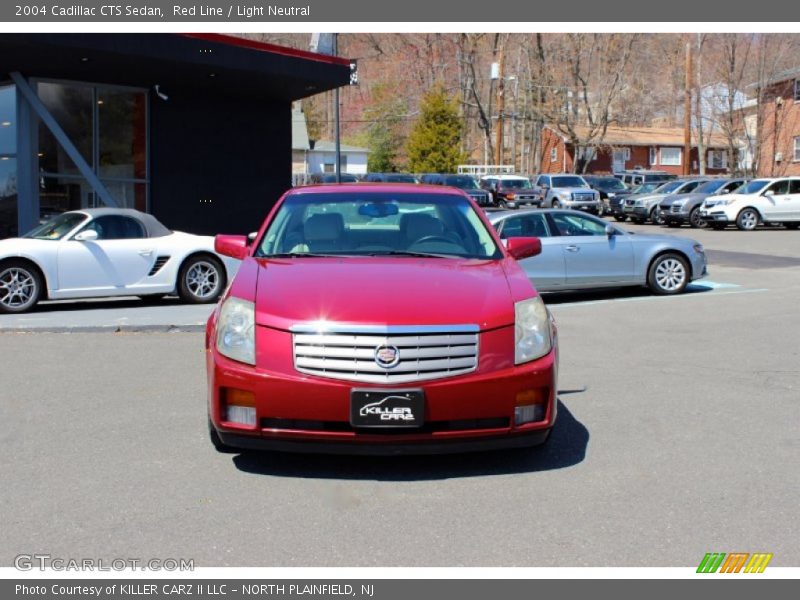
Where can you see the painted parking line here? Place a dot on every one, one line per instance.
(712, 285)
(696, 292)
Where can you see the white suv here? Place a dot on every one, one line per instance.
(759, 201)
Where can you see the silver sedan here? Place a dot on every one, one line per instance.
(580, 251)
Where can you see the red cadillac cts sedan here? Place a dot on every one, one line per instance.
(379, 319)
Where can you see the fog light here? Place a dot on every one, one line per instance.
(244, 415)
(529, 414)
(240, 406)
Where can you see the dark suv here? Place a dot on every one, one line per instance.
(510, 191)
(609, 188)
(462, 182)
(390, 178)
(685, 208)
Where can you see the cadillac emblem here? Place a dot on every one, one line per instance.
(387, 356)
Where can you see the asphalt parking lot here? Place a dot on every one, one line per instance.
(678, 434)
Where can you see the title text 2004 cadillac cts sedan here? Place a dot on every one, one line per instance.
(380, 319)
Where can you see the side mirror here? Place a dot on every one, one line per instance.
(234, 246)
(87, 235)
(524, 247)
(769, 193)
(610, 231)
(251, 237)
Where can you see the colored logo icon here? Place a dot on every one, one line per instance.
(735, 562)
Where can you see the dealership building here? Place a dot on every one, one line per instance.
(193, 128)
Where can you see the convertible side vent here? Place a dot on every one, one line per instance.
(160, 262)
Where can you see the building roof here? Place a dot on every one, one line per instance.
(192, 62)
(327, 146)
(793, 73)
(648, 136)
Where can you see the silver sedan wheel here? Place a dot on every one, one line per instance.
(202, 279)
(670, 275)
(19, 289)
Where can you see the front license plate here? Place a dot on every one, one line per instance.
(400, 408)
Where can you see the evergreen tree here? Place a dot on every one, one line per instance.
(434, 144)
(384, 135)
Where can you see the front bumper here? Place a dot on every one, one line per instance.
(715, 216)
(304, 413)
(636, 211)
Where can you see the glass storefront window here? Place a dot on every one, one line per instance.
(71, 106)
(8, 119)
(122, 134)
(60, 194)
(8, 197)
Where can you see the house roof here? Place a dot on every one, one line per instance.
(647, 136)
(793, 73)
(326, 146)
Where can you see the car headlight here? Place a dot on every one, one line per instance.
(236, 336)
(531, 330)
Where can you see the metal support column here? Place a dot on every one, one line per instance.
(27, 166)
(61, 137)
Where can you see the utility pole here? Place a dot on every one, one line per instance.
(501, 105)
(687, 114)
(336, 101)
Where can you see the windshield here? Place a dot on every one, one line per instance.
(752, 187)
(377, 224)
(464, 182)
(610, 184)
(564, 182)
(709, 187)
(57, 227)
(670, 187)
(646, 188)
(517, 184)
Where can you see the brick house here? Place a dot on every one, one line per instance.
(657, 148)
(778, 145)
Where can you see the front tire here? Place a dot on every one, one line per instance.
(656, 218)
(668, 274)
(20, 286)
(748, 219)
(201, 280)
(556, 204)
(695, 221)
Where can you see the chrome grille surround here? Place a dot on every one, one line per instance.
(347, 352)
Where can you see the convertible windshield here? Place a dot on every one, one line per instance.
(377, 223)
(564, 182)
(464, 182)
(57, 227)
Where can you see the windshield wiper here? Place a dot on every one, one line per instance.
(300, 255)
(409, 253)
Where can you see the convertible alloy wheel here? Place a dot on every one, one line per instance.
(201, 280)
(747, 219)
(20, 287)
(669, 274)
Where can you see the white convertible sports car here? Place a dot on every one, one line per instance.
(100, 252)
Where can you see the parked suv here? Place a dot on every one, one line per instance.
(636, 177)
(383, 319)
(759, 201)
(566, 190)
(609, 188)
(678, 209)
(616, 205)
(644, 207)
(510, 191)
(462, 182)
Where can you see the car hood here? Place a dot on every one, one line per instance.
(572, 189)
(673, 198)
(383, 291)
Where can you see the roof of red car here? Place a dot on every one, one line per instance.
(360, 188)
